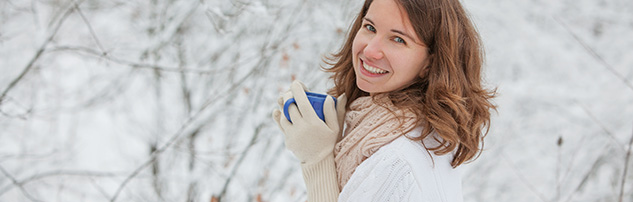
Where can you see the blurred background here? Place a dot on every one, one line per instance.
(171, 100)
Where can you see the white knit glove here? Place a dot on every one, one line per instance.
(308, 137)
(312, 140)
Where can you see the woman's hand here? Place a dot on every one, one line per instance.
(308, 137)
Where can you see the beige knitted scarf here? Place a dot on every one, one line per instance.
(371, 124)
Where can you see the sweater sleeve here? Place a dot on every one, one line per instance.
(320, 179)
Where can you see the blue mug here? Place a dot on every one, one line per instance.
(316, 100)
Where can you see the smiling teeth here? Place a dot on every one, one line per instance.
(373, 69)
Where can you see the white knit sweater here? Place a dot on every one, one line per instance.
(403, 170)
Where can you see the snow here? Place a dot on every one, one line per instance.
(198, 80)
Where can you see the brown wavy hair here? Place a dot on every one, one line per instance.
(448, 97)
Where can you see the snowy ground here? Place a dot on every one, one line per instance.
(171, 100)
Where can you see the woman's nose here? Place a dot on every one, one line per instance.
(373, 50)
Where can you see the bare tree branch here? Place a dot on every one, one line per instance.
(23, 115)
(92, 32)
(280, 184)
(523, 178)
(594, 167)
(596, 55)
(57, 173)
(18, 184)
(239, 161)
(626, 168)
(99, 188)
(261, 64)
(180, 133)
(39, 53)
(134, 64)
(602, 126)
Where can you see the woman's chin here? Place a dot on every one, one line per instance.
(366, 87)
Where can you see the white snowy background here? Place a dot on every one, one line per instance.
(164, 100)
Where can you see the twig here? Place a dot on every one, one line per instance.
(594, 167)
(99, 188)
(37, 55)
(559, 167)
(134, 64)
(522, 178)
(92, 32)
(129, 177)
(58, 173)
(19, 115)
(602, 126)
(573, 160)
(288, 172)
(596, 55)
(626, 167)
(18, 184)
(239, 161)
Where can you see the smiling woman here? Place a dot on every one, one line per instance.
(409, 87)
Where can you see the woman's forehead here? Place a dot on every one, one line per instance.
(390, 15)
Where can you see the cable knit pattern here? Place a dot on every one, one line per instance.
(371, 123)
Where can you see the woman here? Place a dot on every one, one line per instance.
(408, 81)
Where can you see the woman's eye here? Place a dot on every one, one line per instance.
(399, 40)
(370, 28)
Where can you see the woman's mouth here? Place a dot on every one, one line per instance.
(373, 70)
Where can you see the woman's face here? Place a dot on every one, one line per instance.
(387, 54)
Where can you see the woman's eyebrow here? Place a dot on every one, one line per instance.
(392, 30)
(402, 33)
(365, 18)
